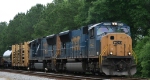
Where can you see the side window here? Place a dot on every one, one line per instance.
(92, 33)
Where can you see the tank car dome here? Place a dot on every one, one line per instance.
(7, 53)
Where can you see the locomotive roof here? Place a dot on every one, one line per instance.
(93, 26)
(64, 32)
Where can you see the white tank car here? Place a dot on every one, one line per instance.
(7, 58)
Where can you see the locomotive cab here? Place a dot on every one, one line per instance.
(112, 44)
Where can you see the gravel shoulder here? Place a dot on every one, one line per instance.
(15, 76)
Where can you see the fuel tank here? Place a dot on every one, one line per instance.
(77, 66)
(38, 65)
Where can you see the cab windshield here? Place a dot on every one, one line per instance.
(109, 29)
(102, 30)
(124, 29)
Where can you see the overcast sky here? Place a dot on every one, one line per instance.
(9, 8)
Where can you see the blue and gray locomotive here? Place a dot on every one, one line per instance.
(100, 48)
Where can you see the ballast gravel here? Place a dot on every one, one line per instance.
(15, 76)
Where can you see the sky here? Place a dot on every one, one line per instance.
(10, 8)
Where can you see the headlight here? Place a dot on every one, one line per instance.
(28, 68)
(97, 53)
(114, 23)
(111, 53)
(46, 69)
(129, 53)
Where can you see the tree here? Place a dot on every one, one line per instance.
(3, 27)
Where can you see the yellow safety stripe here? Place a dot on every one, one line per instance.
(100, 56)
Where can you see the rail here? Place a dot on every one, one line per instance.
(57, 76)
(134, 55)
(100, 56)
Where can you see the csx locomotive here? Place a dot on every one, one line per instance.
(104, 47)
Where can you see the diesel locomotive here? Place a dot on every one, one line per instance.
(104, 47)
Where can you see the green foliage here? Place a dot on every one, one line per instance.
(58, 16)
(3, 27)
(142, 50)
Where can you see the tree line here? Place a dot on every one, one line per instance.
(60, 15)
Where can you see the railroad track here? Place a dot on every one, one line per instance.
(48, 75)
(66, 76)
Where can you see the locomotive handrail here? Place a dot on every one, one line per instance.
(134, 55)
(100, 56)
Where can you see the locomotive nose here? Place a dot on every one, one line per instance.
(118, 44)
(116, 54)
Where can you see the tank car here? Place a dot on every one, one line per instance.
(7, 59)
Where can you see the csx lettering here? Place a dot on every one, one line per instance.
(117, 42)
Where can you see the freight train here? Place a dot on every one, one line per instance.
(104, 47)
